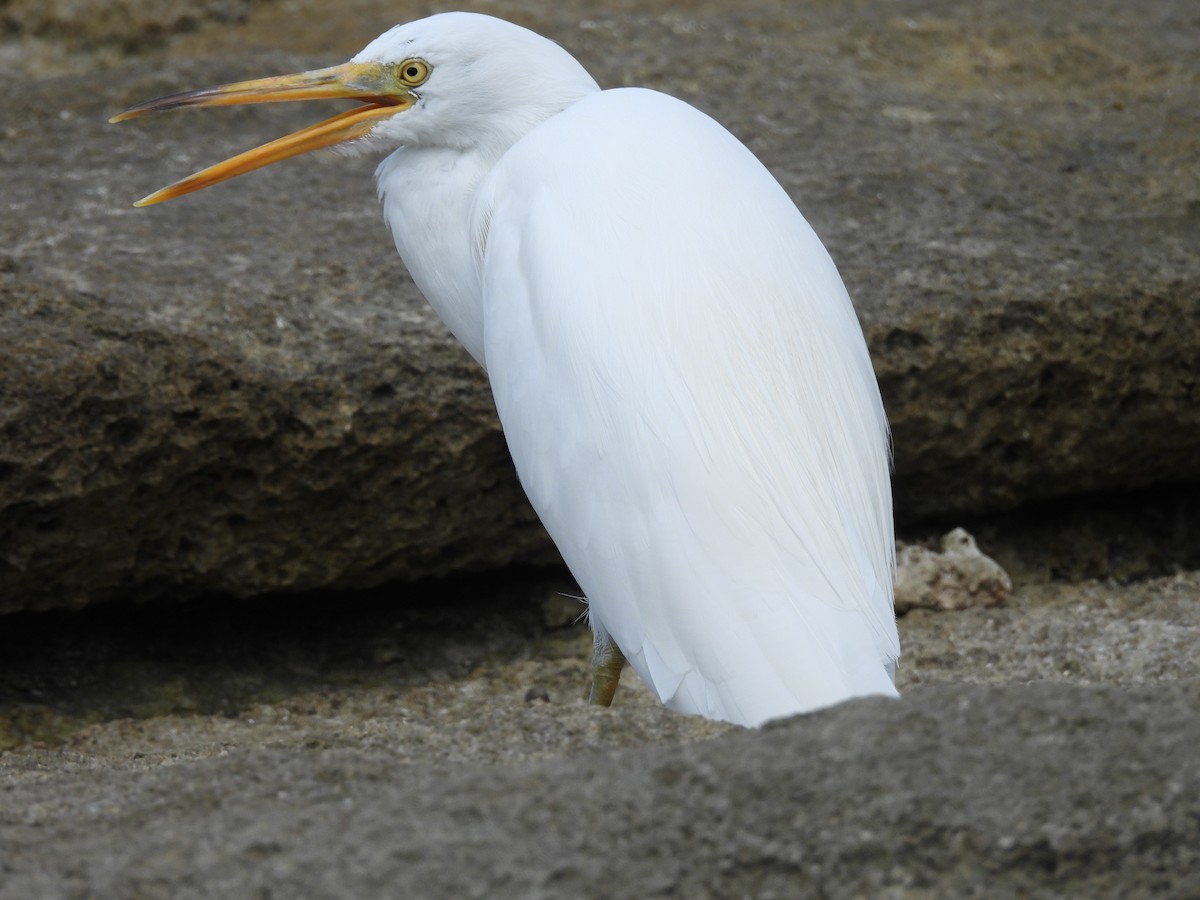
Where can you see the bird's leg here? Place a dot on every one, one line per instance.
(607, 662)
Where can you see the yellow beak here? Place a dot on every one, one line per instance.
(372, 83)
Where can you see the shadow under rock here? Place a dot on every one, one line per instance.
(62, 671)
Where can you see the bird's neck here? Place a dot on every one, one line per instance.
(427, 194)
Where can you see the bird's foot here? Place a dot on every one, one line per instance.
(607, 662)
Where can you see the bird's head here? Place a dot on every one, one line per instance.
(456, 80)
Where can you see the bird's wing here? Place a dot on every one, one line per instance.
(691, 407)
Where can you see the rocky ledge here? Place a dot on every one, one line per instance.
(241, 392)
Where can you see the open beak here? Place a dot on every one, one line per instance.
(372, 83)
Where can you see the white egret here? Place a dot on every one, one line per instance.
(681, 377)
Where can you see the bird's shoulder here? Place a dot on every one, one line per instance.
(626, 140)
(616, 113)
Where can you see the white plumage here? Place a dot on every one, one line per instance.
(679, 371)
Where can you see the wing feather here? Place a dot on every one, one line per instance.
(691, 407)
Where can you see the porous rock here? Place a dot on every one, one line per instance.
(956, 576)
(963, 790)
(242, 392)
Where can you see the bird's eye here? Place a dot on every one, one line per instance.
(414, 71)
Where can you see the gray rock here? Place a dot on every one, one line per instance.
(1036, 790)
(957, 576)
(242, 392)
(220, 405)
(126, 25)
(1044, 748)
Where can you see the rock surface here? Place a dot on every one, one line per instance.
(241, 391)
(956, 576)
(1046, 748)
(839, 805)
